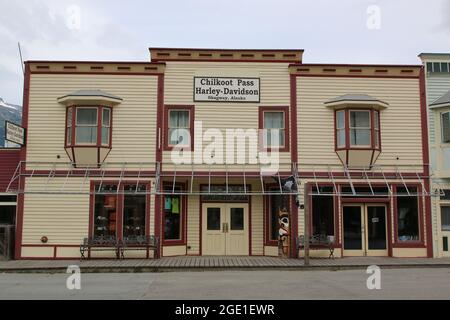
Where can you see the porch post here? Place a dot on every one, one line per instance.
(306, 224)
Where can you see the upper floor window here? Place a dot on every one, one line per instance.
(89, 126)
(445, 127)
(275, 127)
(179, 123)
(438, 67)
(357, 129)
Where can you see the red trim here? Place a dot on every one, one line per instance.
(93, 62)
(421, 217)
(226, 50)
(355, 76)
(23, 156)
(267, 217)
(225, 60)
(165, 130)
(293, 100)
(183, 232)
(285, 110)
(426, 160)
(354, 65)
(99, 73)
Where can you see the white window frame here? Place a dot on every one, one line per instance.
(86, 126)
(283, 129)
(350, 128)
(441, 116)
(106, 126)
(338, 129)
(188, 128)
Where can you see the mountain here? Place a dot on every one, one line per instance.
(8, 112)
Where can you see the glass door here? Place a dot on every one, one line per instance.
(353, 224)
(364, 230)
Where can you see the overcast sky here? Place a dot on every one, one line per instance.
(344, 31)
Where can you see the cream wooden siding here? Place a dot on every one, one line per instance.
(275, 91)
(400, 122)
(134, 120)
(63, 218)
(193, 219)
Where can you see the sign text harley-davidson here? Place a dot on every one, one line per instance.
(226, 89)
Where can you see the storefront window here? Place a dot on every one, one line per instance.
(276, 203)
(323, 211)
(134, 211)
(105, 211)
(172, 216)
(407, 214)
(445, 218)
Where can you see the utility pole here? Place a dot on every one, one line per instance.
(306, 224)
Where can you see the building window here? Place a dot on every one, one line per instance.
(340, 128)
(360, 130)
(438, 67)
(173, 214)
(274, 123)
(323, 211)
(120, 214)
(179, 122)
(445, 127)
(276, 204)
(105, 211)
(357, 129)
(134, 209)
(179, 128)
(445, 218)
(83, 125)
(106, 126)
(407, 214)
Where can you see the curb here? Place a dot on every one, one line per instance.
(50, 270)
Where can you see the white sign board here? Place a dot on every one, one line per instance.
(14, 133)
(226, 89)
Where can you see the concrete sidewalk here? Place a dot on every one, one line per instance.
(210, 263)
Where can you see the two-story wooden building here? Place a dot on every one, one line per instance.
(437, 70)
(218, 152)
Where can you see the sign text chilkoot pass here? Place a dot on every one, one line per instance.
(226, 89)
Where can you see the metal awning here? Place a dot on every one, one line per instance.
(55, 178)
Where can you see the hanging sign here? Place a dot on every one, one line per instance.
(14, 133)
(226, 89)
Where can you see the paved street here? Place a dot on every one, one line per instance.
(421, 283)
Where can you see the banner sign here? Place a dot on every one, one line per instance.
(14, 133)
(226, 89)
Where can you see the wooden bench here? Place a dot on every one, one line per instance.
(140, 243)
(101, 243)
(316, 241)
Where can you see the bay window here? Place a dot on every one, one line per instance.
(445, 123)
(357, 129)
(88, 126)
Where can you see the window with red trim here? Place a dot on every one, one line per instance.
(357, 128)
(274, 124)
(88, 126)
(179, 127)
(120, 214)
(174, 215)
